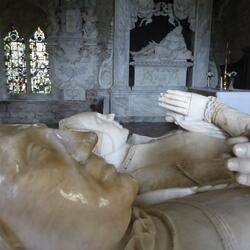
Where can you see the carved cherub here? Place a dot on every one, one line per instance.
(89, 25)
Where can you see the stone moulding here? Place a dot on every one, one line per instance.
(164, 63)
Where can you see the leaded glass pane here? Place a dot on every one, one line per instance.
(39, 64)
(15, 65)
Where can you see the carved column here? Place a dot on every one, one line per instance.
(121, 44)
(3, 80)
(202, 42)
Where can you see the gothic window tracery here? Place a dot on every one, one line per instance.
(39, 64)
(36, 64)
(15, 63)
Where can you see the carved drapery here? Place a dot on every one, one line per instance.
(171, 48)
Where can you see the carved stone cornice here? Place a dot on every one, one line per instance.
(165, 63)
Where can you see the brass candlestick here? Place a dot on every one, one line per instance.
(225, 83)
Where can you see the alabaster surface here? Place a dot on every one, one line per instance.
(188, 109)
(212, 220)
(56, 194)
(185, 107)
(50, 201)
(177, 160)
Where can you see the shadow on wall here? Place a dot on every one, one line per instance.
(25, 15)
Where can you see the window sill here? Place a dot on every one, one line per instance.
(29, 97)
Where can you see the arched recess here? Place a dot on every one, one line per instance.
(15, 63)
(25, 16)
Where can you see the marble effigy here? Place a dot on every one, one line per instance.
(56, 194)
(55, 189)
(164, 63)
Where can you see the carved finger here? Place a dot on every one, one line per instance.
(169, 118)
(174, 114)
(179, 92)
(179, 110)
(241, 165)
(237, 140)
(176, 103)
(242, 150)
(243, 179)
(161, 99)
(173, 117)
(178, 98)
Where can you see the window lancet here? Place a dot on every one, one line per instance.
(39, 64)
(15, 64)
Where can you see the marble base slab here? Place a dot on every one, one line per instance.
(160, 75)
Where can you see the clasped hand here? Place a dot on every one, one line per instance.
(186, 105)
(241, 163)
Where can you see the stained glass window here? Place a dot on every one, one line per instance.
(39, 64)
(15, 64)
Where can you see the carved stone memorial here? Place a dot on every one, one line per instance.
(164, 63)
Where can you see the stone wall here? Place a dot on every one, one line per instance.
(48, 112)
(78, 35)
(90, 55)
(231, 24)
(160, 65)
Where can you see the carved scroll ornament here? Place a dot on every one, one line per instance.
(185, 9)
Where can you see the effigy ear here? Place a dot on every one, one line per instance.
(78, 144)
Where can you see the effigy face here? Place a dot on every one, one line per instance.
(51, 201)
(111, 135)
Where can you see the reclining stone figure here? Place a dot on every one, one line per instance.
(53, 198)
(172, 165)
(56, 194)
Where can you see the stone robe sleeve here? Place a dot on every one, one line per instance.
(213, 220)
(234, 122)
